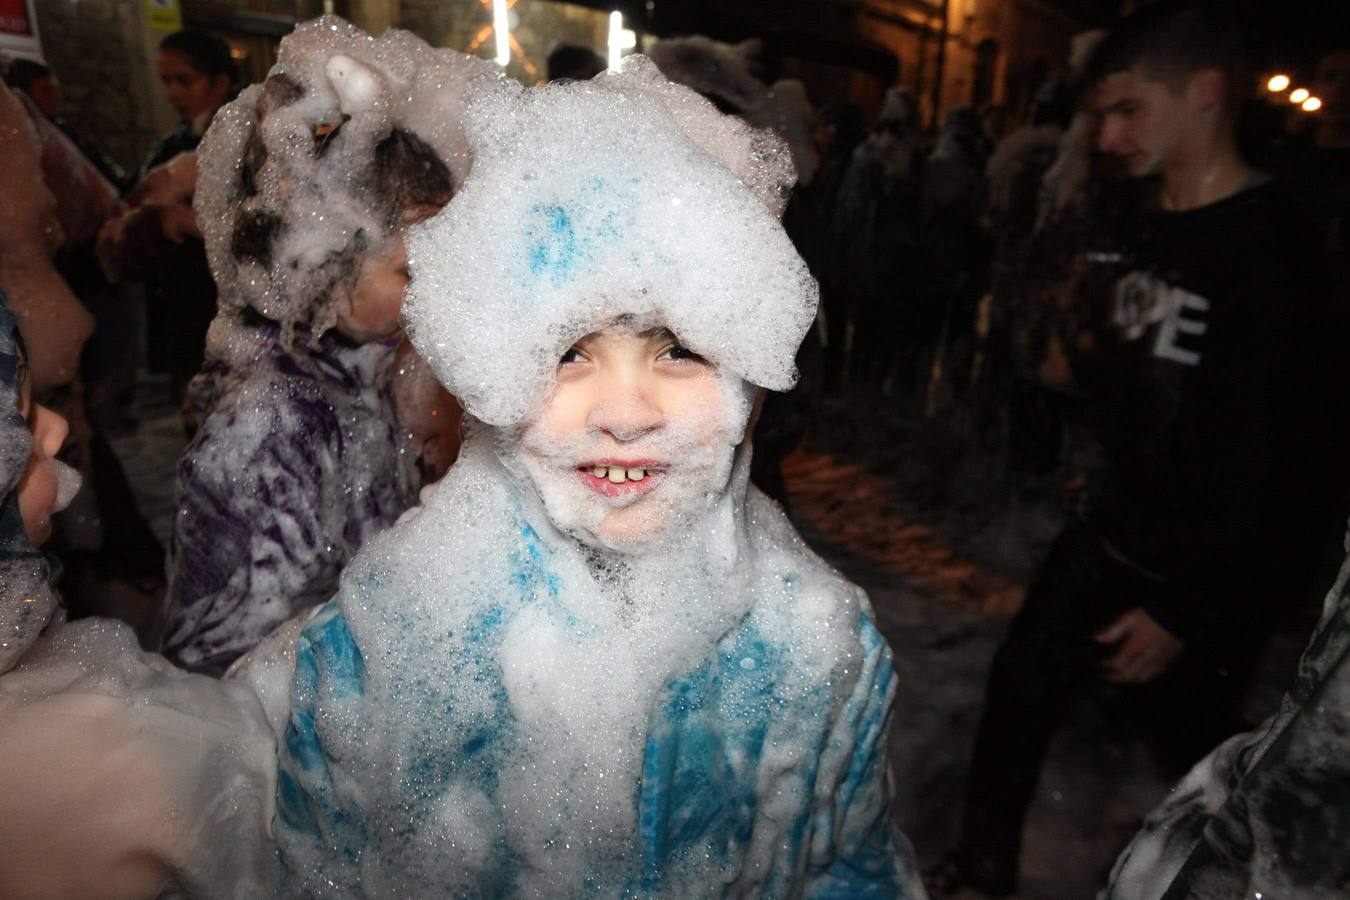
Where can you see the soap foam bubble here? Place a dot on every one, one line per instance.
(291, 195)
(624, 195)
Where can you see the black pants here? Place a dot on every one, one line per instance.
(1047, 662)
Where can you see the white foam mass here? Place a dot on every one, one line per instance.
(587, 201)
(497, 700)
(299, 149)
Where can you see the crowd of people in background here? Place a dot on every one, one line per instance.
(1151, 264)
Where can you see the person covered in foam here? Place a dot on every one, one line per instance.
(122, 776)
(307, 183)
(595, 661)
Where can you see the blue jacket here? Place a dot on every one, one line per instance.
(762, 767)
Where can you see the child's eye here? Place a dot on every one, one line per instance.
(680, 354)
(571, 356)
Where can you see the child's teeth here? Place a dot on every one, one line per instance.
(617, 475)
(636, 474)
(600, 471)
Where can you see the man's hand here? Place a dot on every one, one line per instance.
(1145, 649)
(178, 223)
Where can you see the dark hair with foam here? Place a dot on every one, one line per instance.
(402, 173)
(206, 53)
(1171, 40)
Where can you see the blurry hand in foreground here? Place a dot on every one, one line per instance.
(1144, 649)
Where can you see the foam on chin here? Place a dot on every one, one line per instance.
(697, 455)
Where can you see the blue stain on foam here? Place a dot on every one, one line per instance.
(553, 247)
(561, 236)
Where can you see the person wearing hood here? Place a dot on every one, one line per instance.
(956, 250)
(595, 661)
(876, 223)
(33, 487)
(308, 183)
(123, 776)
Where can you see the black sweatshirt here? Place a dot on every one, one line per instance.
(1220, 411)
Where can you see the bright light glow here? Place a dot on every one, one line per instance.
(1277, 83)
(501, 27)
(1300, 95)
(616, 30)
(1312, 104)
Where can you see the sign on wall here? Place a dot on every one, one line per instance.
(19, 30)
(162, 15)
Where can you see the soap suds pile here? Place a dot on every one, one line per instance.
(286, 196)
(569, 223)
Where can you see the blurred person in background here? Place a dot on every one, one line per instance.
(1324, 168)
(1209, 359)
(41, 86)
(153, 238)
(876, 227)
(199, 75)
(956, 251)
(840, 130)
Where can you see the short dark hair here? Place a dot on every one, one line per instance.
(21, 73)
(206, 53)
(567, 60)
(1171, 40)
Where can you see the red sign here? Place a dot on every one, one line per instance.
(14, 18)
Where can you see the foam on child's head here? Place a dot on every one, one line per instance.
(588, 201)
(305, 174)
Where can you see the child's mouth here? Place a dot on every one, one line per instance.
(616, 478)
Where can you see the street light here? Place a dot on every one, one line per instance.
(1277, 83)
(620, 39)
(1312, 104)
(615, 39)
(1299, 95)
(501, 28)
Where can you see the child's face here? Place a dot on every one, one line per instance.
(47, 485)
(371, 312)
(190, 91)
(638, 434)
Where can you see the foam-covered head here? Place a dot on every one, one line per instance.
(304, 176)
(625, 196)
(26, 598)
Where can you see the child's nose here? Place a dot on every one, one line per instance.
(626, 415)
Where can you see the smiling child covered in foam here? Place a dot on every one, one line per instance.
(595, 661)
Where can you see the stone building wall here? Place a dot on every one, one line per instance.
(103, 53)
(1012, 46)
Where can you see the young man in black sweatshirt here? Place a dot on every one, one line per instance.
(1205, 340)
